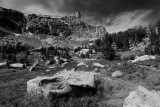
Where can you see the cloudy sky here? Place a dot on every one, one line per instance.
(114, 15)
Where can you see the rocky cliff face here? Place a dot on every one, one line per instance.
(46, 25)
(12, 20)
(67, 26)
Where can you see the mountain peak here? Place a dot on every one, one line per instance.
(76, 14)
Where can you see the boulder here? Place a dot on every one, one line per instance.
(84, 51)
(46, 85)
(99, 65)
(143, 58)
(61, 82)
(96, 70)
(82, 64)
(117, 74)
(17, 65)
(3, 63)
(143, 97)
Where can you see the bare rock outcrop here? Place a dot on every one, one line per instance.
(142, 97)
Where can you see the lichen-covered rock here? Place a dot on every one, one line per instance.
(61, 82)
(142, 97)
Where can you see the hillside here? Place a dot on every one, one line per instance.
(12, 20)
(71, 27)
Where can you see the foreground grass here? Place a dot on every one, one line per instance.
(13, 91)
(13, 86)
(110, 92)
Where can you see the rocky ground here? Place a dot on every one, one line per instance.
(80, 79)
(117, 83)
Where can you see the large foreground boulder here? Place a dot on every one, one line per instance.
(61, 82)
(142, 97)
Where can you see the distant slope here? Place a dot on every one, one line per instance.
(67, 28)
(12, 20)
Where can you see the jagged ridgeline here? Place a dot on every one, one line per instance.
(70, 27)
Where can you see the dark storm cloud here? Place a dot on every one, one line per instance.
(115, 15)
(106, 7)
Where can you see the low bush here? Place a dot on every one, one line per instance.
(128, 56)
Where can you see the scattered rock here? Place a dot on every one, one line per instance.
(96, 70)
(117, 74)
(81, 64)
(3, 63)
(63, 65)
(143, 58)
(84, 51)
(51, 67)
(17, 65)
(119, 64)
(142, 97)
(48, 70)
(153, 68)
(99, 65)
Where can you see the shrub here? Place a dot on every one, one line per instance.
(104, 46)
(128, 56)
(22, 58)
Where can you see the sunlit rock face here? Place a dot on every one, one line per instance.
(142, 97)
(12, 20)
